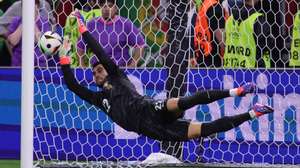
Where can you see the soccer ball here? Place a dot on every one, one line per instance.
(50, 42)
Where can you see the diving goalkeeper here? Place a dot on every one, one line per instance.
(156, 119)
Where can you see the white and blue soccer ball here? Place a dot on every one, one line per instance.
(50, 43)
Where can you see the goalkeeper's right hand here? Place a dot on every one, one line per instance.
(64, 52)
(80, 21)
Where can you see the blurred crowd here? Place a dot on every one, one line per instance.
(217, 33)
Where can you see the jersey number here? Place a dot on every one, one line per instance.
(159, 105)
(106, 105)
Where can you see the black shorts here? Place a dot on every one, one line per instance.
(158, 123)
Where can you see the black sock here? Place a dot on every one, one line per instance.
(223, 124)
(204, 97)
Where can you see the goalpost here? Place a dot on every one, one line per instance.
(67, 131)
(27, 84)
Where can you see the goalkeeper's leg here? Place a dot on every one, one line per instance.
(226, 123)
(178, 105)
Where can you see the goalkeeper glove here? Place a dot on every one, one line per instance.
(80, 21)
(64, 52)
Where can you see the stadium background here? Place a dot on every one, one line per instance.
(282, 141)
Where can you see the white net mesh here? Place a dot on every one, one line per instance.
(69, 131)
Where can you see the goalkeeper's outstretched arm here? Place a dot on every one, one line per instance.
(108, 64)
(103, 58)
(71, 82)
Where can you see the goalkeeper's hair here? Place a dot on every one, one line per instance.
(95, 64)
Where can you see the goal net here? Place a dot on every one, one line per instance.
(71, 132)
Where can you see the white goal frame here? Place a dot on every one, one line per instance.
(27, 83)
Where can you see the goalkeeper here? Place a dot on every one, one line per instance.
(156, 119)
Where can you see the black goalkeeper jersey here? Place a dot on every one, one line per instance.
(121, 101)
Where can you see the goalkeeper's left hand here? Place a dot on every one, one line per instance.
(80, 21)
(64, 52)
